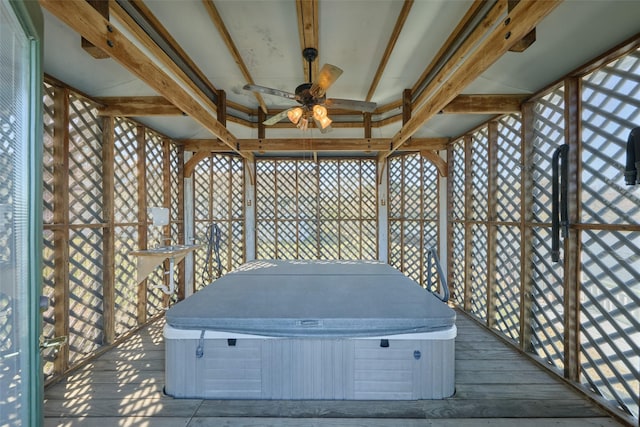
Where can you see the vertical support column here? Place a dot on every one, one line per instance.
(449, 227)
(492, 228)
(249, 210)
(383, 211)
(180, 239)
(573, 243)
(108, 245)
(526, 231)
(189, 230)
(443, 229)
(166, 198)
(141, 150)
(61, 221)
(468, 214)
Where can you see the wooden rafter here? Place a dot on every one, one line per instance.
(307, 11)
(166, 36)
(464, 22)
(516, 25)
(224, 33)
(137, 106)
(83, 19)
(402, 17)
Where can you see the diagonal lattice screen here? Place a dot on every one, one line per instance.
(547, 300)
(218, 190)
(480, 212)
(413, 217)
(48, 284)
(85, 244)
(307, 210)
(456, 214)
(610, 294)
(126, 215)
(508, 236)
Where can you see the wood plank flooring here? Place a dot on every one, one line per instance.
(495, 386)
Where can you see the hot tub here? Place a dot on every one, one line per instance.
(311, 330)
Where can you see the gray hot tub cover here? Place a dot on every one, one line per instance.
(315, 299)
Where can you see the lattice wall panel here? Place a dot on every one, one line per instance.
(610, 315)
(266, 192)
(547, 301)
(610, 109)
(430, 241)
(457, 176)
(47, 155)
(312, 210)
(457, 263)
(396, 181)
(329, 190)
(125, 172)
(85, 293)
(219, 200)
(175, 160)
(610, 263)
(413, 189)
(329, 240)
(480, 173)
(507, 284)
(154, 176)
(48, 290)
(126, 284)
(479, 280)
(85, 163)
(508, 168)
(395, 244)
(548, 136)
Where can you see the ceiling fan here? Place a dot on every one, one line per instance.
(312, 97)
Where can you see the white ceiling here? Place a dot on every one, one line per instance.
(353, 35)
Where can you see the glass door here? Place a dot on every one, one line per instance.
(20, 200)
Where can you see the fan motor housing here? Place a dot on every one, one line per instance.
(304, 97)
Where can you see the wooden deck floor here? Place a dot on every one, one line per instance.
(495, 386)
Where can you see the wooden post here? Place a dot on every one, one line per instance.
(526, 231)
(366, 117)
(61, 222)
(450, 256)
(141, 150)
(180, 217)
(166, 198)
(572, 244)
(468, 215)
(492, 228)
(108, 245)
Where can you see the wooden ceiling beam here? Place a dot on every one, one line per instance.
(87, 22)
(166, 36)
(307, 11)
(485, 104)
(101, 6)
(137, 106)
(365, 145)
(462, 71)
(402, 17)
(235, 53)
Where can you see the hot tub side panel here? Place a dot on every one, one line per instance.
(306, 368)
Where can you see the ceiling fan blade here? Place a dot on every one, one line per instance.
(276, 118)
(328, 75)
(269, 91)
(350, 104)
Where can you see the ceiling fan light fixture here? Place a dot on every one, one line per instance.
(294, 115)
(320, 114)
(303, 124)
